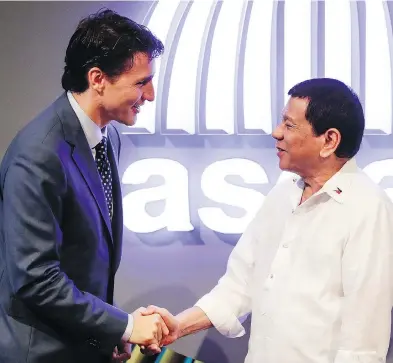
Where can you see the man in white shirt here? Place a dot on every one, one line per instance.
(315, 265)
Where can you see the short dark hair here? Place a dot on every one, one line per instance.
(108, 41)
(332, 104)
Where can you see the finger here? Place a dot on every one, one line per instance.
(164, 328)
(164, 342)
(151, 309)
(158, 335)
(115, 358)
(115, 353)
(168, 318)
(124, 356)
(155, 349)
(151, 349)
(140, 311)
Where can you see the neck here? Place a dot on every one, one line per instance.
(314, 181)
(90, 104)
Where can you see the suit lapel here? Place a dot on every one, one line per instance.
(117, 220)
(87, 167)
(82, 156)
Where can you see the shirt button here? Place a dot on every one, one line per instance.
(285, 245)
(271, 276)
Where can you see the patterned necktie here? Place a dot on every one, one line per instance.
(104, 168)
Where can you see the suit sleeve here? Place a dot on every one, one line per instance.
(34, 187)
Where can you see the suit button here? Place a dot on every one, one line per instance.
(94, 343)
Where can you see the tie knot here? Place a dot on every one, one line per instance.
(102, 145)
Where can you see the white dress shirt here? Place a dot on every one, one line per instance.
(317, 277)
(94, 135)
(92, 131)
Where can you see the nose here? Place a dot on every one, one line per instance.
(148, 92)
(277, 133)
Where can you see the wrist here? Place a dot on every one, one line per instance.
(182, 327)
(129, 329)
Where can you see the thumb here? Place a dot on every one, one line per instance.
(139, 311)
(151, 309)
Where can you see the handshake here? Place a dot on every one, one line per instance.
(154, 328)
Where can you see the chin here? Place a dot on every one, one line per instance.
(282, 165)
(288, 168)
(129, 122)
(132, 121)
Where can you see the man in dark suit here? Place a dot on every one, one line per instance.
(61, 206)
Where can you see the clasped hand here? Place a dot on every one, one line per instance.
(154, 328)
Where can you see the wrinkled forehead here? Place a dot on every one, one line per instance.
(295, 109)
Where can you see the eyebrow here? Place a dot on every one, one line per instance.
(287, 118)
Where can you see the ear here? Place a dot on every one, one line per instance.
(331, 140)
(96, 79)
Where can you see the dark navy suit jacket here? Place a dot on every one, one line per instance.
(59, 251)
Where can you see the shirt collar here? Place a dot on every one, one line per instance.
(337, 187)
(92, 131)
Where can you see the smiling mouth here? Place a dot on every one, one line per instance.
(279, 149)
(136, 108)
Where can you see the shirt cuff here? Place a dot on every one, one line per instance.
(129, 328)
(347, 356)
(221, 317)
